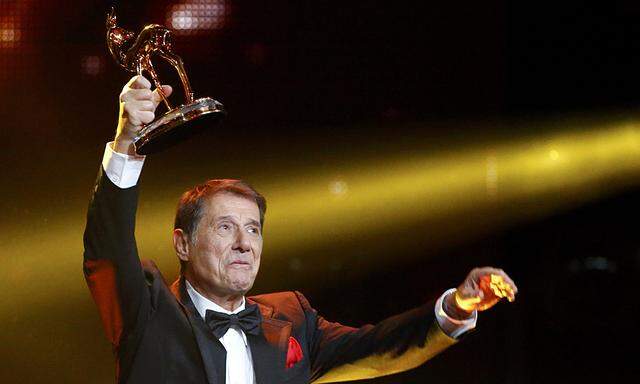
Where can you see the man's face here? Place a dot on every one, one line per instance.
(224, 254)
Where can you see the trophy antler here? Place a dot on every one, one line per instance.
(117, 39)
(135, 56)
(134, 52)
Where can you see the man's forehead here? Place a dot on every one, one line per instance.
(231, 204)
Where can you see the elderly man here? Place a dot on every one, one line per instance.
(203, 329)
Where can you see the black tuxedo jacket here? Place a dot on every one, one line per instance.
(159, 337)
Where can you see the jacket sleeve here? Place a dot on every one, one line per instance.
(396, 344)
(112, 268)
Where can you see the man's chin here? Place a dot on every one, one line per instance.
(241, 290)
(241, 285)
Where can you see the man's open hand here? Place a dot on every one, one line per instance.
(137, 107)
(481, 290)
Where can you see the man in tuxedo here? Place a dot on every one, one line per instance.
(202, 328)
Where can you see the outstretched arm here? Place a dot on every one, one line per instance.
(396, 344)
(404, 341)
(111, 264)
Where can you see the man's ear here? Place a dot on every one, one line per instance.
(181, 244)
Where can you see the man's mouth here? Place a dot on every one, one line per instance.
(239, 263)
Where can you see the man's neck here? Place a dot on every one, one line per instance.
(229, 302)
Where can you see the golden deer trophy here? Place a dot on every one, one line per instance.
(134, 53)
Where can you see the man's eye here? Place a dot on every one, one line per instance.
(225, 227)
(253, 230)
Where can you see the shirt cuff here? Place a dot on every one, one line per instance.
(123, 170)
(453, 327)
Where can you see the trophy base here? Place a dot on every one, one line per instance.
(177, 125)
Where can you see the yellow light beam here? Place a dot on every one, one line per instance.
(505, 182)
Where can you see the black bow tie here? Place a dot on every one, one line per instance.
(248, 320)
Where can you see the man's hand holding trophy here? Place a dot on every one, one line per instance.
(140, 132)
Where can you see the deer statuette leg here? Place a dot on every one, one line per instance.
(148, 66)
(177, 63)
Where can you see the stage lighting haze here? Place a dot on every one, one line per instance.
(189, 17)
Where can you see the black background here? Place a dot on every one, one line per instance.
(308, 73)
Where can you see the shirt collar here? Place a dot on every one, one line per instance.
(202, 303)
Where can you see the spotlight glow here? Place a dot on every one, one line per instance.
(10, 33)
(18, 33)
(492, 176)
(338, 187)
(92, 65)
(407, 201)
(197, 15)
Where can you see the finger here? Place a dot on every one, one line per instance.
(131, 108)
(131, 81)
(157, 98)
(139, 82)
(167, 89)
(146, 116)
(136, 94)
(144, 105)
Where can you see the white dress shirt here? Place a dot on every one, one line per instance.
(124, 170)
(239, 361)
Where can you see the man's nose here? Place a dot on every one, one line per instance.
(242, 243)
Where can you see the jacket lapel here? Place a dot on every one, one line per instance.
(269, 347)
(214, 356)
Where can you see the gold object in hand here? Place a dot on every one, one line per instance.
(500, 287)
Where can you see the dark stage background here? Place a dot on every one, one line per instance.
(400, 144)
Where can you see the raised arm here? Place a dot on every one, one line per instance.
(111, 264)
